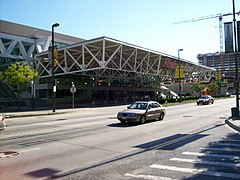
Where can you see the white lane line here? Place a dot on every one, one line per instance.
(212, 155)
(14, 153)
(225, 144)
(29, 150)
(230, 140)
(149, 177)
(206, 162)
(197, 171)
(220, 149)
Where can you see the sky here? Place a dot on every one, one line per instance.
(145, 23)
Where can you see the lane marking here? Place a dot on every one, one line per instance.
(220, 149)
(206, 162)
(196, 171)
(212, 155)
(149, 177)
(8, 154)
(29, 150)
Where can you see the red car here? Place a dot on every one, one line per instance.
(207, 99)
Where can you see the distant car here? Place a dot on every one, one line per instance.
(142, 111)
(2, 123)
(207, 99)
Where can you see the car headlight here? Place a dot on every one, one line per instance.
(132, 115)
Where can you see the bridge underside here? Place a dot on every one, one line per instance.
(110, 60)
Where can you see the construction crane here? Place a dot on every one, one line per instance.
(219, 16)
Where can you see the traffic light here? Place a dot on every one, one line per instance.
(218, 76)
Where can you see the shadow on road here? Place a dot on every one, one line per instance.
(167, 143)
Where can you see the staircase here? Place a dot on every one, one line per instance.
(7, 96)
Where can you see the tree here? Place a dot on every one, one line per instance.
(213, 87)
(198, 87)
(18, 76)
(1, 75)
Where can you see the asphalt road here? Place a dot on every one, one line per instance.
(93, 145)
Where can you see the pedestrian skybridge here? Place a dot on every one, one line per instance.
(110, 60)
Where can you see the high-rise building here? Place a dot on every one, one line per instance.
(223, 63)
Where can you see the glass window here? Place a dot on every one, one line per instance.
(155, 105)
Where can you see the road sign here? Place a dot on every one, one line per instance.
(54, 88)
(181, 72)
(73, 89)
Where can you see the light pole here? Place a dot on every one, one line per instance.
(34, 68)
(179, 80)
(236, 113)
(53, 76)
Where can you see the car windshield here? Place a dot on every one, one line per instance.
(204, 97)
(138, 106)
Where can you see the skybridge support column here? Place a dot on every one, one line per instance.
(103, 53)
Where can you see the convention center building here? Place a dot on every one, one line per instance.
(101, 70)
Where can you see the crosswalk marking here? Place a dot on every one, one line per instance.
(149, 177)
(206, 162)
(196, 171)
(226, 144)
(230, 140)
(212, 155)
(221, 149)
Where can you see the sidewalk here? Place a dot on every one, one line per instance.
(233, 123)
(41, 112)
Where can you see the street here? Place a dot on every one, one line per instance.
(192, 142)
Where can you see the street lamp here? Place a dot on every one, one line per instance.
(53, 76)
(34, 68)
(179, 81)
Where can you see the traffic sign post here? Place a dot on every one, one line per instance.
(73, 90)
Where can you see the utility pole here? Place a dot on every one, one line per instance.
(53, 75)
(236, 63)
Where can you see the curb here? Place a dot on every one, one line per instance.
(42, 114)
(231, 123)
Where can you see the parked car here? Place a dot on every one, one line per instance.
(2, 123)
(207, 99)
(142, 111)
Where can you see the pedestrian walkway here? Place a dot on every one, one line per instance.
(41, 112)
(234, 123)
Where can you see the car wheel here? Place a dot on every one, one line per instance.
(123, 122)
(161, 116)
(142, 119)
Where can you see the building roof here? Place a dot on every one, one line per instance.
(110, 58)
(27, 31)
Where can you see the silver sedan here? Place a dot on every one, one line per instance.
(142, 111)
